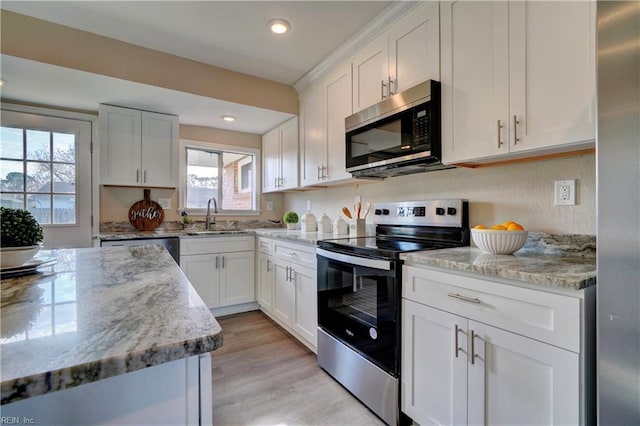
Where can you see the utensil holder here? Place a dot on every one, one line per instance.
(357, 228)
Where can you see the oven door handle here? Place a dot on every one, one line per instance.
(355, 260)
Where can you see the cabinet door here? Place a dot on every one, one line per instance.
(237, 278)
(265, 282)
(289, 154)
(371, 73)
(338, 107)
(159, 149)
(283, 294)
(202, 270)
(120, 152)
(552, 76)
(306, 296)
(270, 160)
(475, 97)
(434, 376)
(514, 379)
(414, 47)
(313, 146)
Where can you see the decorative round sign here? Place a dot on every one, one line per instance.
(146, 215)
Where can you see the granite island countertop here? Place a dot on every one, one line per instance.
(98, 313)
(544, 261)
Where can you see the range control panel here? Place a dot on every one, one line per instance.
(423, 213)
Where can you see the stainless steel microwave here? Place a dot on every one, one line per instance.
(399, 135)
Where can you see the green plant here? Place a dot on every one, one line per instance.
(290, 217)
(19, 228)
(185, 218)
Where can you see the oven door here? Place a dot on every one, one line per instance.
(359, 303)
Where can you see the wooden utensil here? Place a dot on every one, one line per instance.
(146, 215)
(346, 212)
(367, 207)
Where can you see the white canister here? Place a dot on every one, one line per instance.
(324, 224)
(308, 222)
(340, 227)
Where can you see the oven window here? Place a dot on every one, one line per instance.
(359, 306)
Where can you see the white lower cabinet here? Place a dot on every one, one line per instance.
(221, 269)
(457, 370)
(287, 289)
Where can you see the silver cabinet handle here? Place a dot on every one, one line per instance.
(457, 348)
(286, 276)
(473, 347)
(275, 182)
(292, 274)
(499, 131)
(137, 175)
(222, 262)
(323, 168)
(268, 265)
(144, 176)
(319, 169)
(382, 86)
(217, 262)
(515, 129)
(465, 298)
(394, 83)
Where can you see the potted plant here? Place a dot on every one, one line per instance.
(290, 218)
(21, 236)
(186, 220)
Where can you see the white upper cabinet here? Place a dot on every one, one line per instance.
(324, 107)
(405, 54)
(518, 78)
(138, 148)
(280, 157)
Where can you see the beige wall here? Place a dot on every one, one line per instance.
(116, 201)
(43, 41)
(521, 192)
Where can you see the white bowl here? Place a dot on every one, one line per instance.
(17, 256)
(499, 242)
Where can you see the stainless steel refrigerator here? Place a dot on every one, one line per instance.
(618, 213)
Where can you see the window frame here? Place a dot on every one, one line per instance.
(211, 146)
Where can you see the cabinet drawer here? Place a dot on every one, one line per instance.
(265, 245)
(297, 253)
(204, 245)
(544, 316)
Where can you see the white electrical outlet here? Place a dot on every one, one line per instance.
(565, 192)
(165, 203)
(270, 205)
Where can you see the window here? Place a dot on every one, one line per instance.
(221, 172)
(38, 173)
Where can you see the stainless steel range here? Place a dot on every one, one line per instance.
(359, 296)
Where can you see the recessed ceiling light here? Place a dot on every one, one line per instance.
(228, 118)
(279, 26)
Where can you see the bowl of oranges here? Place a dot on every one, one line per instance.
(505, 238)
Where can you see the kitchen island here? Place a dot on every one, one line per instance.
(106, 336)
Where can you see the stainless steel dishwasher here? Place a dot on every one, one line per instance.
(172, 244)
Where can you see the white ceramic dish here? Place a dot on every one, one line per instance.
(16, 256)
(499, 242)
(27, 268)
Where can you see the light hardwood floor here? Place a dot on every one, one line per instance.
(263, 376)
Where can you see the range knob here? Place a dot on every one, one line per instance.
(439, 211)
(385, 212)
(451, 211)
(377, 212)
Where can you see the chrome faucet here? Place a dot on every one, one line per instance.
(207, 223)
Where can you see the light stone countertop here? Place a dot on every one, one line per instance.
(98, 313)
(296, 236)
(569, 272)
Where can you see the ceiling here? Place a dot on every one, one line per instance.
(228, 34)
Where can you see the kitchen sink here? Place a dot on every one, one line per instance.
(219, 232)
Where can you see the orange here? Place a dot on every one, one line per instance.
(507, 223)
(498, 227)
(515, 227)
(480, 226)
